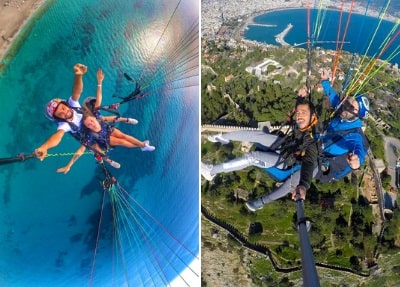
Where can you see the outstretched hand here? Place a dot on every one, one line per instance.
(100, 76)
(302, 92)
(80, 69)
(40, 153)
(299, 190)
(325, 74)
(64, 169)
(353, 161)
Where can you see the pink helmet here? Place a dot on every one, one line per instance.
(51, 108)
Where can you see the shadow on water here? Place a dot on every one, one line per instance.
(76, 238)
(90, 238)
(72, 221)
(94, 185)
(7, 187)
(105, 235)
(60, 262)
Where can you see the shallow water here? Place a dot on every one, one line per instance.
(49, 220)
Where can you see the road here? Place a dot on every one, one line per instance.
(392, 152)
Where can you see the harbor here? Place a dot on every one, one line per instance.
(280, 38)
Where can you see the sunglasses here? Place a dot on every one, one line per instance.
(347, 106)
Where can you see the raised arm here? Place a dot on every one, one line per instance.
(77, 88)
(51, 142)
(74, 158)
(99, 96)
(334, 99)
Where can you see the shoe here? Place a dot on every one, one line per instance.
(212, 139)
(260, 163)
(255, 204)
(218, 139)
(132, 121)
(147, 146)
(114, 164)
(206, 171)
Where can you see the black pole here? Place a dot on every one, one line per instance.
(20, 157)
(310, 276)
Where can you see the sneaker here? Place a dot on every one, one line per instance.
(218, 138)
(114, 164)
(147, 146)
(255, 204)
(206, 171)
(212, 139)
(132, 121)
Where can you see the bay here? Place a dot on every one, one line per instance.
(365, 34)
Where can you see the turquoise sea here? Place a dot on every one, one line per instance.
(365, 34)
(49, 232)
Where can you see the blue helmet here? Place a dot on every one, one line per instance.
(363, 104)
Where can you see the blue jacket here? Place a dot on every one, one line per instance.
(335, 140)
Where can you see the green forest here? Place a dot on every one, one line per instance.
(272, 98)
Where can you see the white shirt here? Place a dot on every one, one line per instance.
(76, 119)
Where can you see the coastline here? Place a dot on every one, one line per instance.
(14, 17)
(280, 38)
(371, 13)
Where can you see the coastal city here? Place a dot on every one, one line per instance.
(215, 12)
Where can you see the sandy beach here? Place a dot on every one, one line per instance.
(13, 16)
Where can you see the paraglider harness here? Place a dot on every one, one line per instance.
(81, 134)
(291, 145)
(329, 165)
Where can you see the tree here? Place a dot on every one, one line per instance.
(355, 263)
(270, 69)
(255, 228)
(385, 178)
(341, 221)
